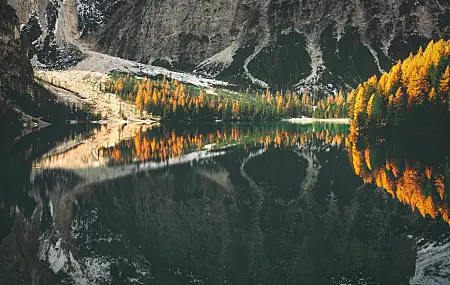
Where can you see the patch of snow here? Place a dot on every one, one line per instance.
(94, 12)
(78, 226)
(264, 8)
(88, 270)
(317, 62)
(313, 120)
(194, 156)
(56, 257)
(56, 24)
(342, 280)
(220, 60)
(210, 91)
(432, 264)
(96, 271)
(183, 77)
(209, 146)
(387, 45)
(143, 268)
(375, 56)
(134, 280)
(286, 31)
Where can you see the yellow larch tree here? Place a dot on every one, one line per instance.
(432, 96)
(393, 80)
(139, 100)
(418, 87)
(444, 86)
(370, 106)
(340, 98)
(361, 102)
(382, 83)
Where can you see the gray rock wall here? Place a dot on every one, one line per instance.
(15, 70)
(282, 44)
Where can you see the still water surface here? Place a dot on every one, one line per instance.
(222, 204)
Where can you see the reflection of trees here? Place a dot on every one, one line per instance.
(148, 145)
(416, 183)
(218, 221)
(182, 218)
(313, 236)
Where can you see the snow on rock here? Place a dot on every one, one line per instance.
(432, 264)
(317, 62)
(56, 257)
(93, 14)
(264, 41)
(98, 62)
(93, 269)
(215, 64)
(196, 80)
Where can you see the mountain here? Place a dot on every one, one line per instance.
(16, 71)
(24, 103)
(267, 43)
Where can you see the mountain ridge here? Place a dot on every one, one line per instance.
(285, 44)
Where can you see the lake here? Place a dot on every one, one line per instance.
(248, 203)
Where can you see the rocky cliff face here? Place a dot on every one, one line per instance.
(281, 44)
(15, 70)
(16, 74)
(21, 98)
(49, 28)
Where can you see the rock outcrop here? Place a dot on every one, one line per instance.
(16, 72)
(22, 101)
(49, 28)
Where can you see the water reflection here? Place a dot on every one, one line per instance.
(126, 144)
(84, 151)
(211, 204)
(419, 183)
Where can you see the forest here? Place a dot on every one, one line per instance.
(415, 92)
(171, 99)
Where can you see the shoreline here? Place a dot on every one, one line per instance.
(82, 89)
(126, 122)
(314, 120)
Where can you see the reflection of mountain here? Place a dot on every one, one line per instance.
(82, 152)
(243, 234)
(20, 218)
(203, 222)
(420, 184)
(117, 151)
(433, 263)
(293, 214)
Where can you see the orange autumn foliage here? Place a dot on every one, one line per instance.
(407, 185)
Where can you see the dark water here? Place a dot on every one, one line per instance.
(222, 204)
